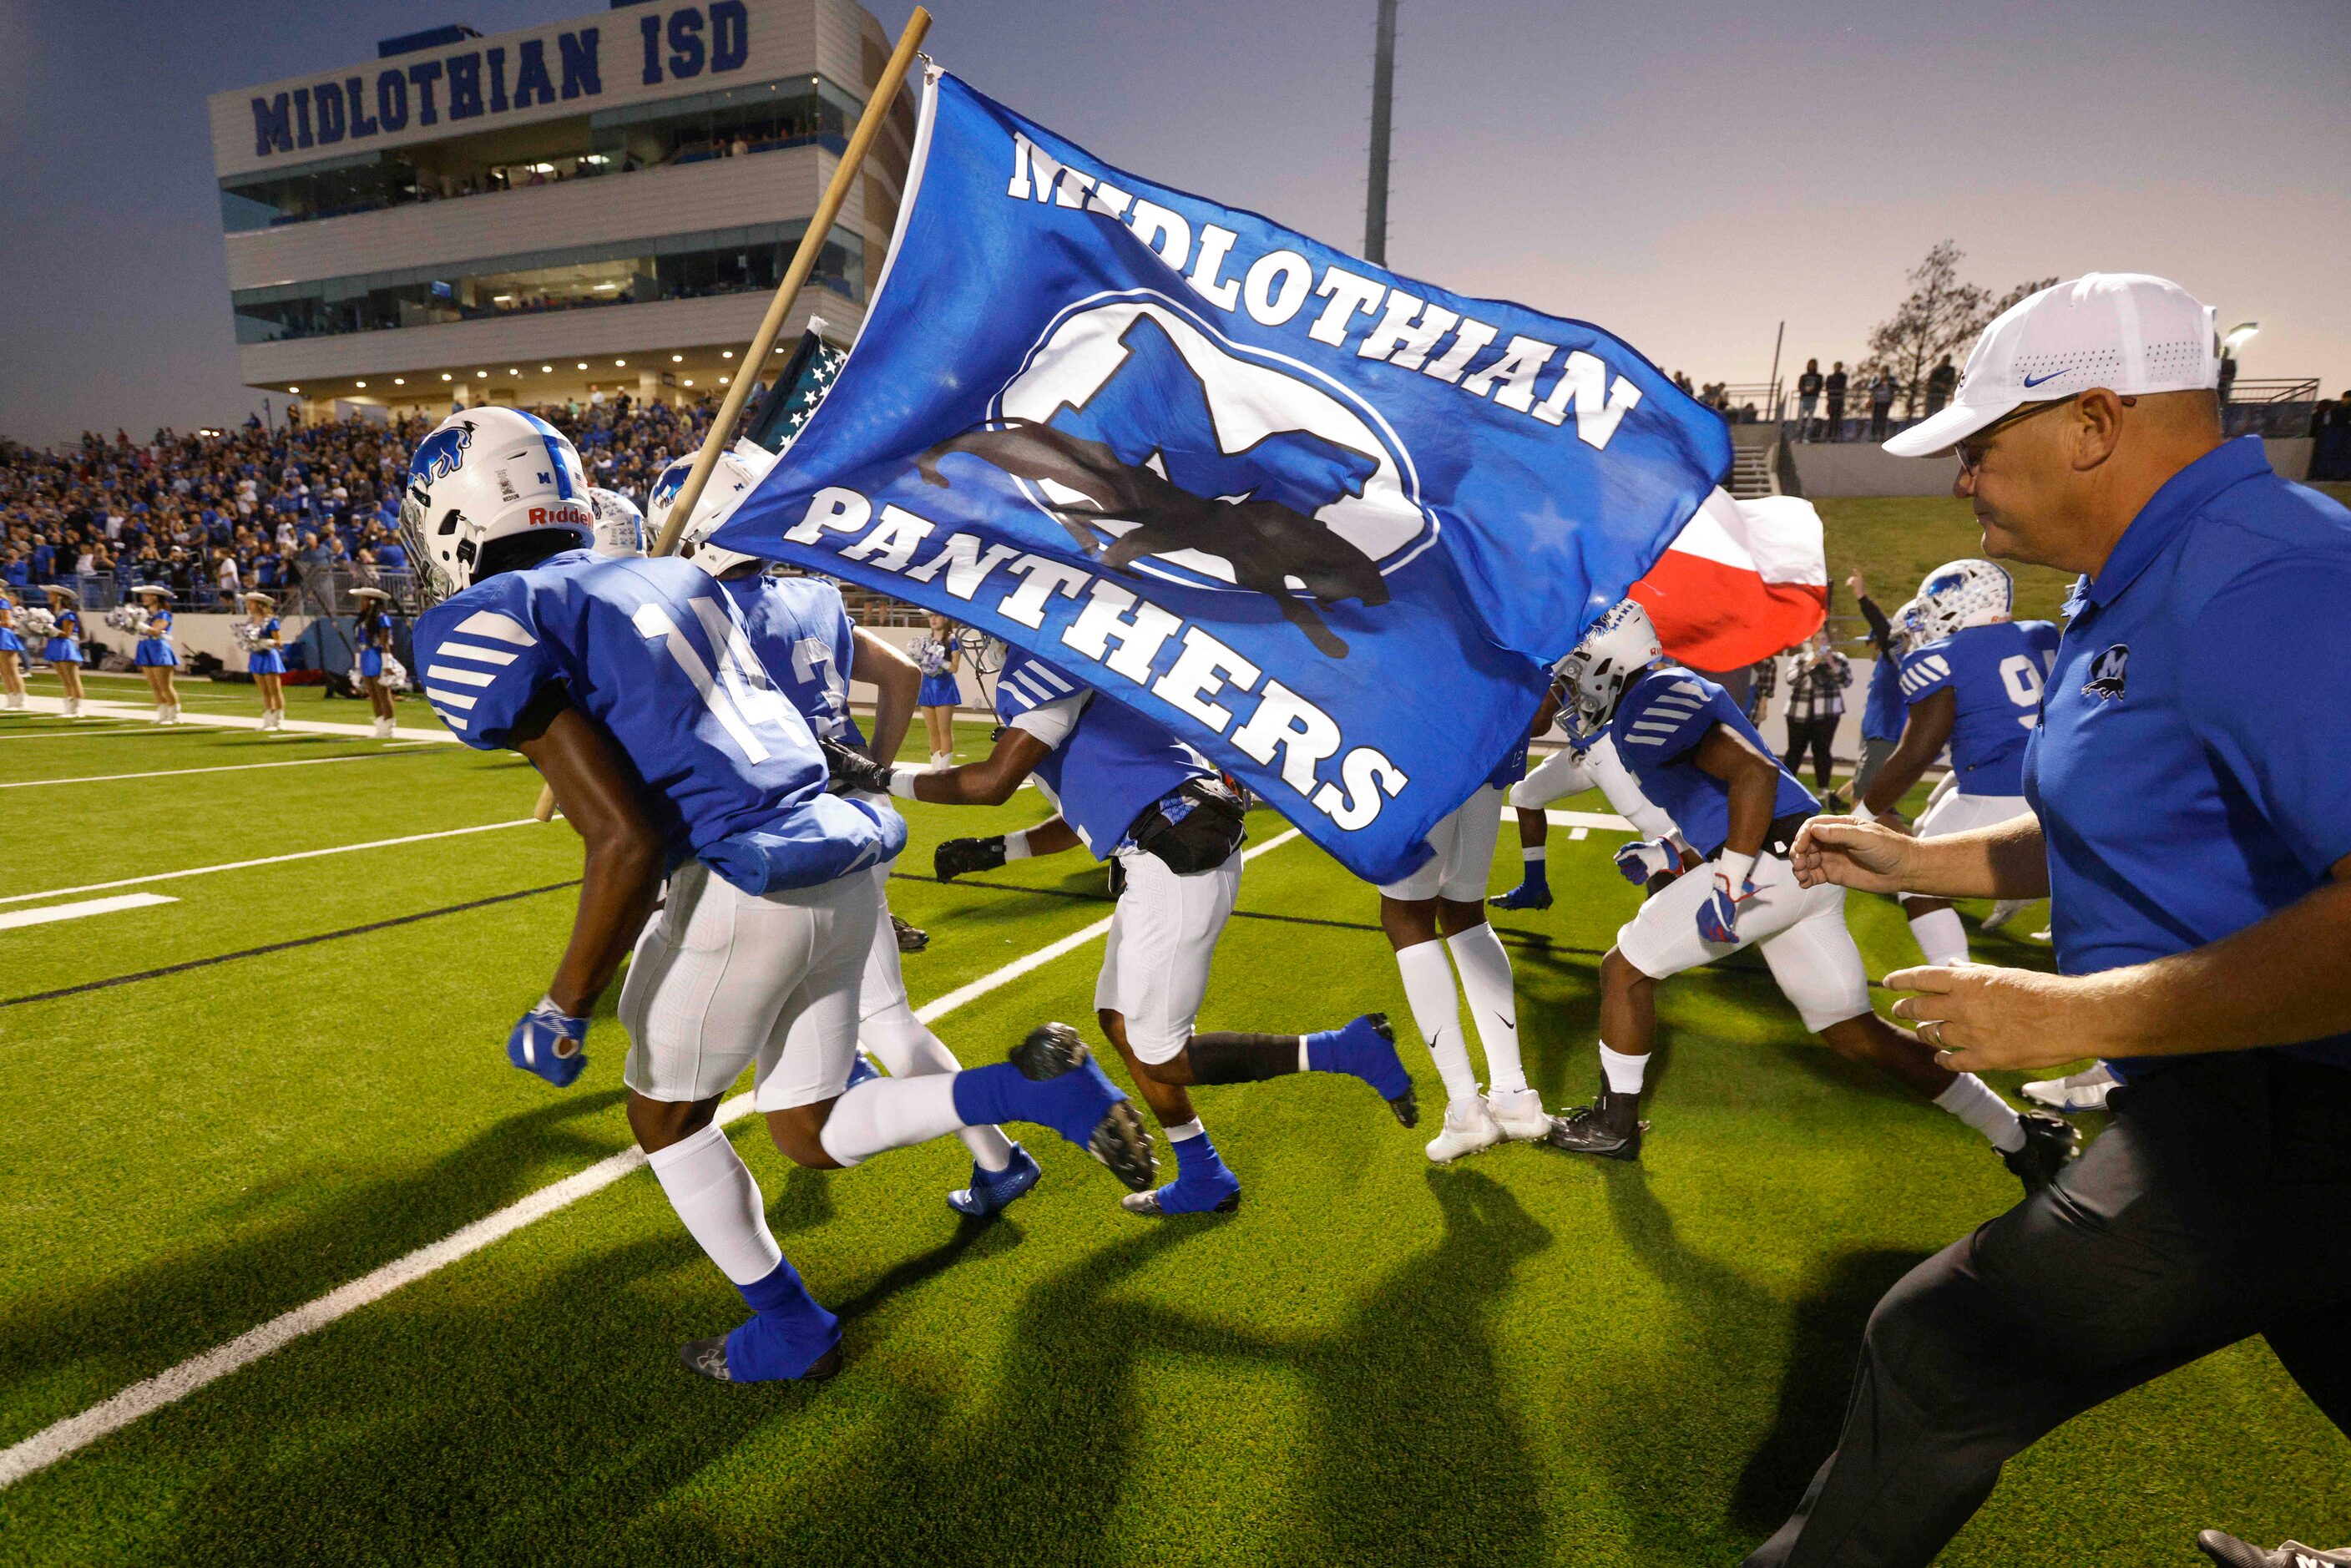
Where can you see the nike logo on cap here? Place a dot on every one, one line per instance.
(2036, 380)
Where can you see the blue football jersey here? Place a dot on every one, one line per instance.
(1110, 768)
(803, 635)
(656, 654)
(1996, 673)
(1883, 711)
(1657, 726)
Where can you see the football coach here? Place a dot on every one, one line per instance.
(2190, 777)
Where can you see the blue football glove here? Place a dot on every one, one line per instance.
(547, 1041)
(1645, 858)
(1717, 917)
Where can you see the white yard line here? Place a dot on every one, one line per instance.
(99, 708)
(84, 734)
(268, 860)
(68, 1437)
(183, 773)
(43, 916)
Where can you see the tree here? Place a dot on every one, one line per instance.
(1942, 316)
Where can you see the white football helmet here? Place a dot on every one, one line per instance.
(491, 490)
(1620, 645)
(1909, 630)
(1963, 593)
(740, 469)
(619, 526)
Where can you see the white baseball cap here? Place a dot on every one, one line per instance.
(2126, 331)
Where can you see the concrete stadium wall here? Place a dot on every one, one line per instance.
(193, 634)
(1864, 468)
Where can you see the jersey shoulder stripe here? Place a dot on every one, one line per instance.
(502, 628)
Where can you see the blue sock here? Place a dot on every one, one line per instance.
(1537, 874)
(1072, 1105)
(788, 1330)
(1361, 1049)
(1202, 1181)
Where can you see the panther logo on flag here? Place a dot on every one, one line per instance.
(1165, 448)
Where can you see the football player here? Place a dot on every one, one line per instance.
(1572, 770)
(632, 684)
(802, 633)
(1690, 751)
(1137, 797)
(1972, 681)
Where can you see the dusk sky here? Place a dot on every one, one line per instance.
(1685, 173)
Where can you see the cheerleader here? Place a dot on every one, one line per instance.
(12, 657)
(375, 647)
(155, 658)
(263, 660)
(63, 649)
(936, 654)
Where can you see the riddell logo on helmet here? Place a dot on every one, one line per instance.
(547, 517)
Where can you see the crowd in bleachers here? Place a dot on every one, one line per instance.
(211, 514)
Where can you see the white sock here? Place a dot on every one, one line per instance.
(1625, 1075)
(712, 1190)
(907, 1050)
(1942, 940)
(1972, 1101)
(1184, 1132)
(890, 1114)
(1016, 845)
(1534, 852)
(1437, 1013)
(1487, 981)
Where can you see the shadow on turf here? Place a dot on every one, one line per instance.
(87, 1343)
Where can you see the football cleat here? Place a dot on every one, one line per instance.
(861, 1070)
(1366, 1048)
(1611, 1127)
(990, 1190)
(1469, 1128)
(1520, 1115)
(2083, 1091)
(2006, 910)
(911, 938)
(1096, 1116)
(1527, 895)
(2231, 1553)
(709, 1357)
(2049, 1142)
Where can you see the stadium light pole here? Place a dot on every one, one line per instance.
(1375, 191)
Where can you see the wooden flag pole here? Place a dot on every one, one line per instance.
(796, 277)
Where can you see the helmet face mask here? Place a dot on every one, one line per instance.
(1963, 593)
(740, 470)
(1620, 645)
(482, 481)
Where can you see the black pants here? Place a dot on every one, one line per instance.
(1811, 735)
(2216, 1206)
(1837, 417)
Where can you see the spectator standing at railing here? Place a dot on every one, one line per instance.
(1882, 388)
(1940, 381)
(1835, 388)
(227, 581)
(1808, 399)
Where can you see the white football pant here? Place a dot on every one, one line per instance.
(1464, 861)
(1801, 931)
(1163, 935)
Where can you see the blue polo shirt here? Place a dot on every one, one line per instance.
(2192, 766)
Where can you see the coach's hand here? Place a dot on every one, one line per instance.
(1865, 855)
(853, 769)
(1978, 1017)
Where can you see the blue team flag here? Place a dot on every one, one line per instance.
(1323, 522)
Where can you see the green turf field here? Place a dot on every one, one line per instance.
(1525, 1358)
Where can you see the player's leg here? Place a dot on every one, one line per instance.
(155, 691)
(1484, 968)
(1001, 1169)
(1554, 778)
(1408, 919)
(1660, 941)
(171, 692)
(1819, 970)
(1934, 924)
(697, 1012)
(822, 1121)
(12, 679)
(69, 677)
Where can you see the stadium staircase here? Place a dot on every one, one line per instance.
(1750, 473)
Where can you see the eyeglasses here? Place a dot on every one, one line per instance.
(1972, 451)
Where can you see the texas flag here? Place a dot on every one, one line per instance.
(1742, 580)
